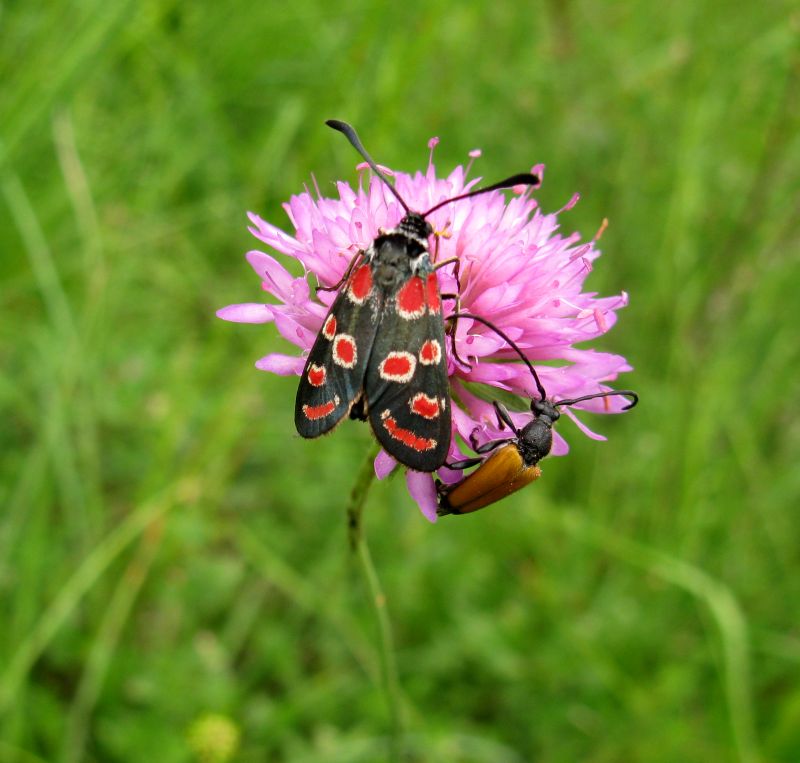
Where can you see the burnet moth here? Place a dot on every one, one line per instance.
(512, 462)
(380, 354)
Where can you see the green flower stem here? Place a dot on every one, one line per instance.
(358, 497)
(358, 544)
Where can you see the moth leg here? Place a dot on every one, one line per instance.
(448, 261)
(457, 299)
(451, 331)
(346, 275)
(437, 234)
(457, 276)
(456, 310)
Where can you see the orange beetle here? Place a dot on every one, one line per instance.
(513, 462)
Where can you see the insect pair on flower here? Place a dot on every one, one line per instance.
(381, 352)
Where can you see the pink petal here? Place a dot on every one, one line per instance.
(271, 235)
(451, 476)
(588, 432)
(423, 491)
(248, 312)
(293, 331)
(560, 446)
(365, 166)
(384, 464)
(271, 272)
(283, 365)
(463, 423)
(576, 197)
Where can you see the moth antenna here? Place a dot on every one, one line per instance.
(352, 136)
(524, 178)
(511, 344)
(634, 398)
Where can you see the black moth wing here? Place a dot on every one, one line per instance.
(406, 385)
(333, 376)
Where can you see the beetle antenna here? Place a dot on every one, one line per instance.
(511, 344)
(524, 178)
(634, 398)
(630, 394)
(352, 136)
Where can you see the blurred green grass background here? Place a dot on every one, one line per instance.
(173, 562)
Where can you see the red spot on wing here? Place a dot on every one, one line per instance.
(329, 329)
(316, 375)
(430, 352)
(411, 299)
(361, 284)
(314, 412)
(422, 405)
(398, 366)
(344, 350)
(432, 293)
(406, 436)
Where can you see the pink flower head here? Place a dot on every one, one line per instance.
(516, 269)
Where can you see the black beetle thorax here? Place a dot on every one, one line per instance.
(535, 441)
